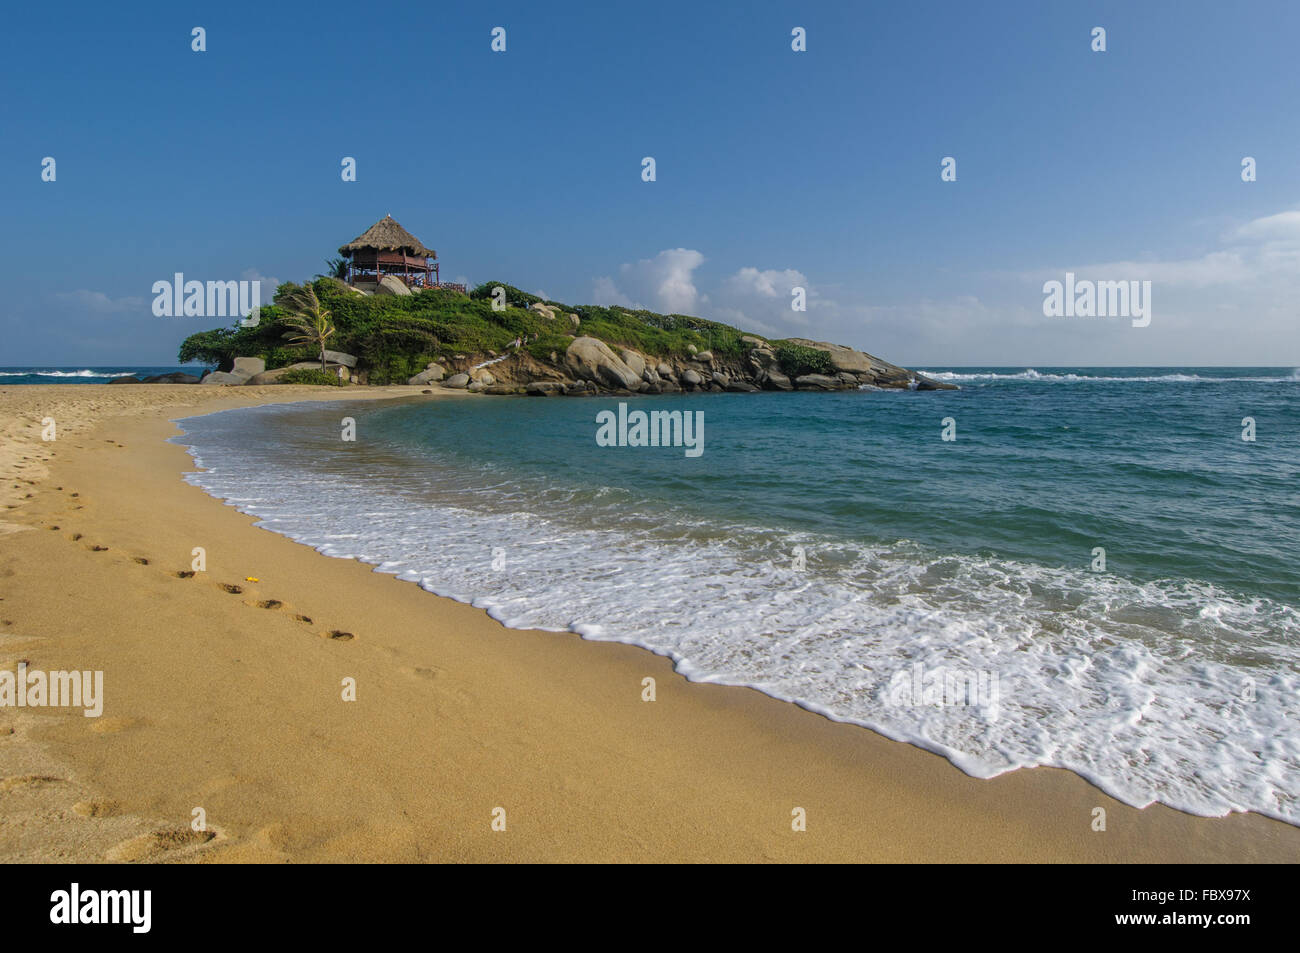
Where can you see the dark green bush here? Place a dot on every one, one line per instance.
(515, 298)
(798, 359)
(311, 375)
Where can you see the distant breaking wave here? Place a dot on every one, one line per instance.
(1030, 374)
(81, 373)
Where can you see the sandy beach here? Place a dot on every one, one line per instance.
(223, 691)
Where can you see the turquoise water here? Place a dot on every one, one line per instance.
(1155, 471)
(834, 550)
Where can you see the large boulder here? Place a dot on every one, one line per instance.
(775, 380)
(929, 383)
(176, 377)
(339, 357)
(456, 381)
(247, 367)
(705, 356)
(544, 388)
(389, 285)
(741, 387)
(484, 377)
(692, 378)
(635, 361)
(273, 377)
(664, 370)
(760, 358)
(591, 359)
(128, 379)
(429, 375)
(721, 379)
(224, 378)
(846, 360)
(545, 310)
(817, 382)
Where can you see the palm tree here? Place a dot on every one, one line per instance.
(309, 323)
(336, 268)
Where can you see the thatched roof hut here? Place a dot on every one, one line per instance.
(387, 235)
(386, 249)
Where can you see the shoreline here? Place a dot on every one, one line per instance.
(213, 701)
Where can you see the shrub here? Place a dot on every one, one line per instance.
(311, 375)
(798, 359)
(515, 298)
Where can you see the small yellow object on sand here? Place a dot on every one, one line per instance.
(251, 579)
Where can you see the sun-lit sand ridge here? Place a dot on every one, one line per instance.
(230, 701)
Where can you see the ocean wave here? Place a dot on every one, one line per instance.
(1030, 374)
(1174, 691)
(81, 373)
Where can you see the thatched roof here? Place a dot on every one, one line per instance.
(387, 235)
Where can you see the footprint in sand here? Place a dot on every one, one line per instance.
(97, 807)
(141, 560)
(303, 618)
(185, 574)
(233, 590)
(175, 841)
(270, 604)
(340, 636)
(98, 549)
(21, 781)
(109, 726)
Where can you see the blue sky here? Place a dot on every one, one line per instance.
(774, 168)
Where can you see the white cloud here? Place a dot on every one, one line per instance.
(268, 284)
(760, 300)
(97, 302)
(664, 283)
(1263, 249)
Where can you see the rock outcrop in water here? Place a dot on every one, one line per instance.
(532, 346)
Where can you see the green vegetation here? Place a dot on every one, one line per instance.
(396, 336)
(796, 360)
(311, 375)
